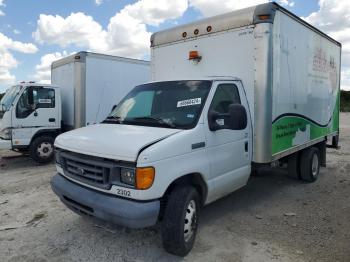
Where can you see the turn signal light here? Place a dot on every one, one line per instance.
(144, 177)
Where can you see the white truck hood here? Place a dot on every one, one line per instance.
(114, 141)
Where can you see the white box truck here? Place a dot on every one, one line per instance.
(84, 88)
(257, 86)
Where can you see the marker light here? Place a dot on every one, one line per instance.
(264, 17)
(144, 177)
(194, 55)
(184, 34)
(196, 32)
(209, 28)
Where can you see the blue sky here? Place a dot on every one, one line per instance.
(21, 18)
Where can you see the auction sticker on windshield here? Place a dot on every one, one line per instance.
(189, 102)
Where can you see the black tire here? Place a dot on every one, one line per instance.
(41, 149)
(309, 169)
(173, 224)
(294, 166)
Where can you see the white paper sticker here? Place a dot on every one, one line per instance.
(189, 102)
(44, 101)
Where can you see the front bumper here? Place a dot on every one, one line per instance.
(5, 144)
(113, 209)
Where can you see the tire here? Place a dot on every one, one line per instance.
(294, 166)
(310, 164)
(41, 149)
(180, 221)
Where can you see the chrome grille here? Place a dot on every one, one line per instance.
(90, 170)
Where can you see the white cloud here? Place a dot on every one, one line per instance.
(125, 35)
(286, 3)
(78, 29)
(16, 32)
(98, 2)
(154, 12)
(215, 7)
(7, 61)
(2, 4)
(333, 17)
(43, 70)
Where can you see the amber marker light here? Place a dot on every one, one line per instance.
(264, 17)
(194, 55)
(144, 177)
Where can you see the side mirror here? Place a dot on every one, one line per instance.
(114, 107)
(236, 119)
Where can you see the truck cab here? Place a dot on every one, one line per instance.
(162, 138)
(30, 119)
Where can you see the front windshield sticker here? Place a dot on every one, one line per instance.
(190, 115)
(189, 102)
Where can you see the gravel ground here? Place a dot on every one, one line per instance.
(274, 218)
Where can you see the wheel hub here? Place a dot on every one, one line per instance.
(314, 166)
(190, 220)
(45, 149)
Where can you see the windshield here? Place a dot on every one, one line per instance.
(8, 98)
(172, 104)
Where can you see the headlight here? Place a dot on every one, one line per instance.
(127, 176)
(141, 177)
(6, 134)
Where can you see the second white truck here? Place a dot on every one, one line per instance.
(84, 88)
(250, 88)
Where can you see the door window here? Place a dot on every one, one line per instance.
(43, 98)
(225, 95)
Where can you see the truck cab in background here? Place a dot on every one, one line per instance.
(84, 88)
(30, 119)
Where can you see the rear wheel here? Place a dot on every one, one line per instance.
(310, 164)
(180, 221)
(41, 149)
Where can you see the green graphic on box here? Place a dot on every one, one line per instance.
(291, 130)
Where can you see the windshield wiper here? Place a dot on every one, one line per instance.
(113, 119)
(154, 119)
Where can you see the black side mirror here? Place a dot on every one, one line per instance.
(114, 107)
(236, 119)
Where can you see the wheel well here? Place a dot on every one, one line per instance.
(194, 179)
(52, 133)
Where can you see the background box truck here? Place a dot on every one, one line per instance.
(257, 86)
(84, 88)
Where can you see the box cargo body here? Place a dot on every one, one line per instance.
(289, 69)
(92, 83)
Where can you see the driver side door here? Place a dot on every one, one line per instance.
(27, 119)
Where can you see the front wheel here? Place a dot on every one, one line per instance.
(180, 221)
(41, 149)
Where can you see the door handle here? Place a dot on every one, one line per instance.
(52, 120)
(246, 146)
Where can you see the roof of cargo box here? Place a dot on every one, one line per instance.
(263, 13)
(81, 57)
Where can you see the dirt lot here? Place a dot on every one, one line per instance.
(274, 218)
